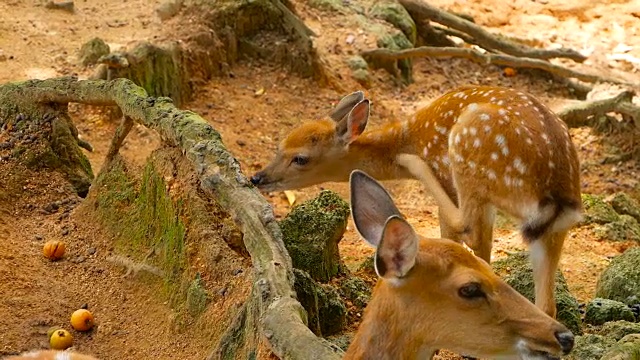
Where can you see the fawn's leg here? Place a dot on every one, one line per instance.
(479, 217)
(545, 255)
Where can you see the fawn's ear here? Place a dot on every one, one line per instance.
(371, 206)
(350, 127)
(397, 250)
(345, 105)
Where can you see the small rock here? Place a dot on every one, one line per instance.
(590, 347)
(241, 142)
(223, 291)
(597, 211)
(67, 6)
(5, 145)
(84, 306)
(621, 279)
(51, 207)
(625, 205)
(168, 9)
(600, 311)
(39, 237)
(91, 250)
(237, 271)
(627, 348)
(80, 259)
(65, 232)
(93, 50)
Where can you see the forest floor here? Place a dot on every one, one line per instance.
(38, 42)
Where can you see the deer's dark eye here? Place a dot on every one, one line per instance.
(471, 291)
(300, 160)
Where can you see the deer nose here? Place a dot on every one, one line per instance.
(565, 338)
(258, 178)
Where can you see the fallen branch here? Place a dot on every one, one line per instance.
(421, 10)
(493, 59)
(583, 113)
(281, 317)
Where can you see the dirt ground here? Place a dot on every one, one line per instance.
(134, 321)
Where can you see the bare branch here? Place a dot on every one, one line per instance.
(494, 59)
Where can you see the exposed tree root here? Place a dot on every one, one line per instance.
(421, 11)
(586, 113)
(279, 320)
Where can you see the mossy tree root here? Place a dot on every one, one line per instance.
(281, 320)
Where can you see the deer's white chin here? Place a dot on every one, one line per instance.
(527, 353)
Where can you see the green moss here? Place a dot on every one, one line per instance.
(600, 311)
(311, 233)
(626, 228)
(590, 347)
(328, 5)
(143, 217)
(197, 297)
(619, 329)
(625, 205)
(597, 211)
(628, 348)
(621, 279)
(395, 14)
(332, 310)
(517, 271)
(356, 290)
(92, 50)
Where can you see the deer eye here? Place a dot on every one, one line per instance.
(300, 160)
(471, 291)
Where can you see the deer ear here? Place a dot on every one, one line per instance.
(354, 123)
(371, 206)
(345, 105)
(398, 248)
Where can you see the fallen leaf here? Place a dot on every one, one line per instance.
(259, 92)
(291, 197)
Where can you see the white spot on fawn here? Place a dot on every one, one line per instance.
(491, 174)
(473, 131)
(458, 157)
(441, 129)
(472, 164)
(485, 117)
(487, 129)
(445, 160)
(494, 156)
(529, 141)
(457, 139)
(476, 143)
(425, 152)
(502, 112)
(551, 165)
(435, 165)
(500, 103)
(464, 131)
(507, 180)
(473, 107)
(519, 165)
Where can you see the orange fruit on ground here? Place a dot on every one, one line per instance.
(60, 340)
(53, 249)
(82, 320)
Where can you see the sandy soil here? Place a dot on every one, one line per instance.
(134, 320)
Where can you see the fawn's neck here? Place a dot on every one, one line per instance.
(383, 335)
(375, 151)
